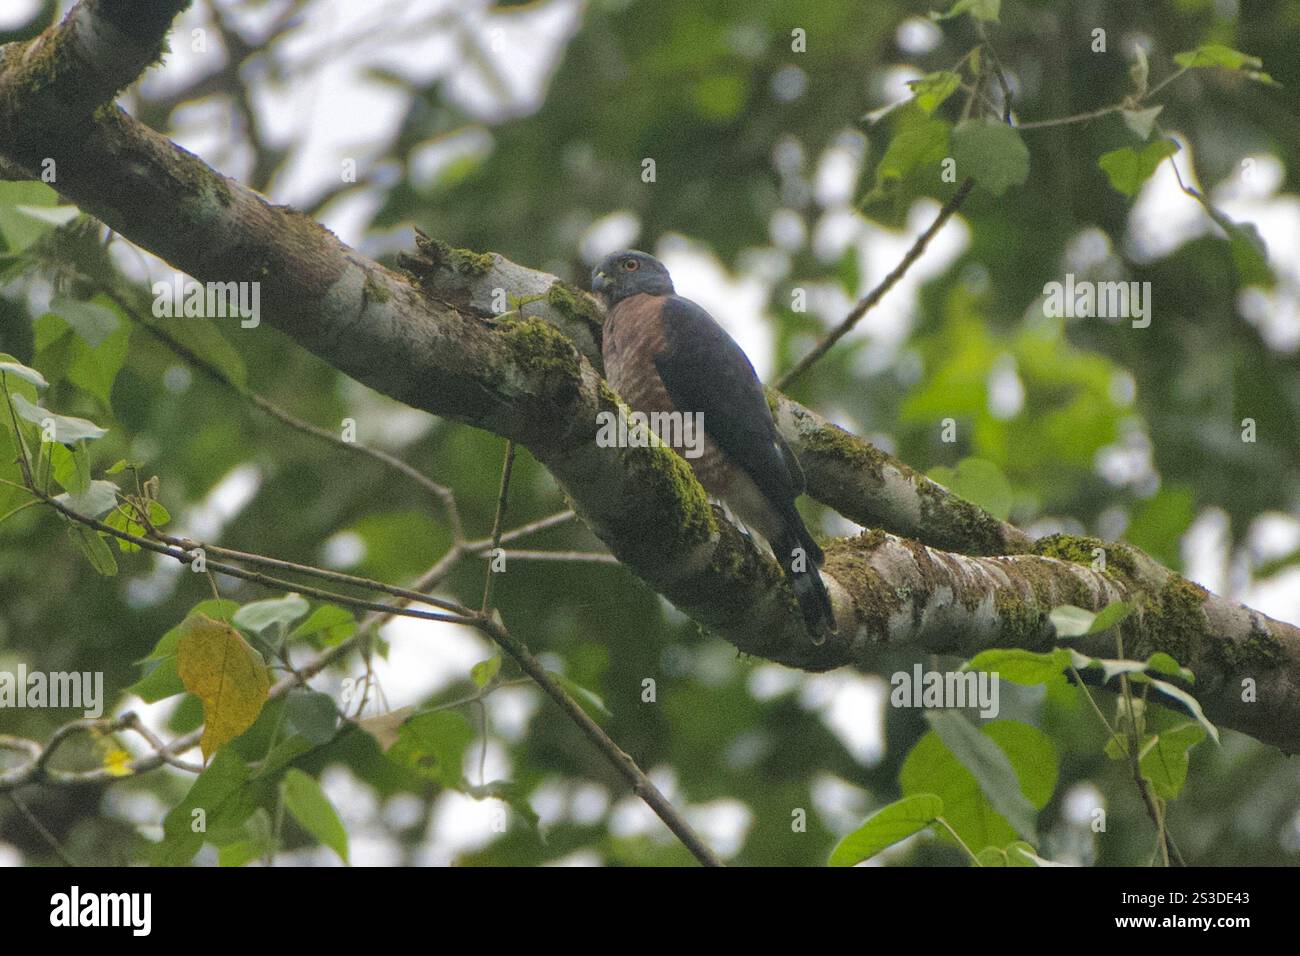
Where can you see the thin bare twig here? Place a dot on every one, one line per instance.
(503, 500)
(870, 300)
(589, 557)
(641, 784)
(492, 626)
(40, 828)
(442, 493)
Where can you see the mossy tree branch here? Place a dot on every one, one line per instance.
(939, 602)
(439, 341)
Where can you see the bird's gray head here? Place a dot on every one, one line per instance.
(627, 273)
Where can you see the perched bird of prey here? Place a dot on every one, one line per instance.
(665, 354)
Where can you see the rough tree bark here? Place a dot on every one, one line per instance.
(938, 574)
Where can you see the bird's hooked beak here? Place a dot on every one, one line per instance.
(599, 282)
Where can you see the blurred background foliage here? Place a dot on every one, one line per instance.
(522, 129)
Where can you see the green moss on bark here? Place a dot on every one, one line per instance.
(1174, 621)
(375, 290)
(440, 255)
(1022, 622)
(542, 350)
(874, 600)
(665, 479)
(1081, 549)
(1259, 651)
(608, 397)
(468, 262)
(968, 526)
(836, 443)
(574, 304)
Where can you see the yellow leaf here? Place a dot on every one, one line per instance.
(117, 763)
(384, 727)
(217, 664)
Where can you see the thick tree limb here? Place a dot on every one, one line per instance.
(438, 343)
(877, 490)
(907, 594)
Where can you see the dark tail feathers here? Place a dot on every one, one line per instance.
(800, 557)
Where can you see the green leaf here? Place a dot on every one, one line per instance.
(257, 841)
(281, 755)
(992, 152)
(1162, 663)
(329, 622)
(992, 856)
(930, 767)
(18, 226)
(512, 793)
(589, 700)
(986, 10)
(1109, 616)
(159, 682)
(1021, 666)
(66, 429)
(1071, 621)
(1141, 122)
(386, 728)
(1127, 168)
(1191, 703)
(1159, 663)
(123, 519)
(1249, 252)
(1022, 854)
(1157, 524)
(93, 321)
(1217, 55)
(70, 467)
(991, 768)
(304, 798)
(980, 482)
(312, 714)
(96, 501)
(483, 672)
(719, 96)
(94, 547)
(887, 826)
(94, 369)
(848, 273)
(204, 339)
(277, 613)
(433, 745)
(933, 88)
(1018, 854)
(1163, 760)
(918, 142)
(1110, 667)
(50, 215)
(217, 785)
(11, 366)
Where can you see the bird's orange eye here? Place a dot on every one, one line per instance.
(630, 265)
